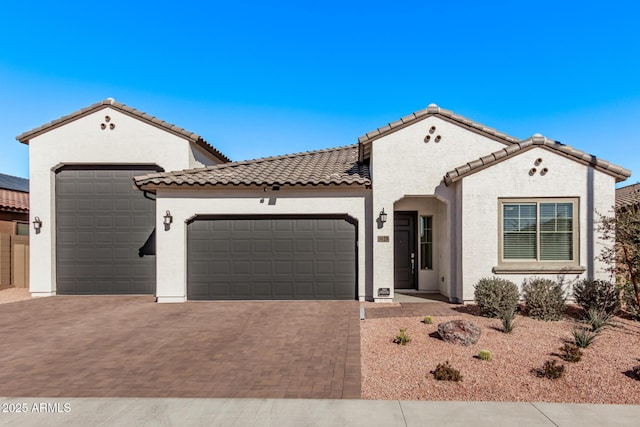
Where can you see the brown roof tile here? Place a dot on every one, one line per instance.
(335, 166)
(110, 102)
(628, 196)
(14, 201)
(537, 141)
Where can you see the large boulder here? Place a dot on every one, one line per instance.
(461, 332)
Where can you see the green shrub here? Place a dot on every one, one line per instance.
(444, 372)
(597, 295)
(552, 370)
(598, 319)
(544, 299)
(583, 337)
(571, 353)
(508, 320)
(495, 295)
(484, 355)
(402, 338)
(428, 320)
(629, 300)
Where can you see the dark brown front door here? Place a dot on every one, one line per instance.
(404, 250)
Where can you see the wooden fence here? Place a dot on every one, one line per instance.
(14, 261)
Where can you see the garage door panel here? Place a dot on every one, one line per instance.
(101, 223)
(271, 259)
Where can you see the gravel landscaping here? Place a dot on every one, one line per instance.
(392, 371)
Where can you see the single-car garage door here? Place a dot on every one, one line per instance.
(271, 258)
(104, 232)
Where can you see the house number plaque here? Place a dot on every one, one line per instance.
(383, 238)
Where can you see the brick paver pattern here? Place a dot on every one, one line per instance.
(130, 346)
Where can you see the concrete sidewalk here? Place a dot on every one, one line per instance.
(301, 412)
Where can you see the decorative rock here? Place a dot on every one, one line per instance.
(461, 332)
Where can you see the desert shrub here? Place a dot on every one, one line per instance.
(484, 355)
(597, 295)
(629, 301)
(544, 299)
(445, 372)
(402, 338)
(583, 337)
(570, 353)
(508, 320)
(495, 295)
(597, 319)
(552, 370)
(428, 320)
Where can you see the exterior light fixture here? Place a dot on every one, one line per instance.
(383, 216)
(37, 224)
(168, 219)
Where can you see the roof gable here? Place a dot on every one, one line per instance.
(132, 112)
(364, 142)
(537, 140)
(334, 166)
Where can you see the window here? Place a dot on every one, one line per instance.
(539, 230)
(22, 229)
(426, 242)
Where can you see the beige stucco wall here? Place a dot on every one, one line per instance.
(479, 223)
(82, 141)
(404, 165)
(185, 203)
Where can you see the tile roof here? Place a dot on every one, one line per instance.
(628, 196)
(431, 110)
(10, 182)
(536, 140)
(334, 166)
(14, 201)
(110, 102)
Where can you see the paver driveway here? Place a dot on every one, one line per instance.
(102, 346)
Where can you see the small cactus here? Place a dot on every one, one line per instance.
(484, 355)
(428, 320)
(402, 338)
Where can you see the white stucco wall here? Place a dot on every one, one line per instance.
(185, 203)
(403, 164)
(82, 141)
(479, 224)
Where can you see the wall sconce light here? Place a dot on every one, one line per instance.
(168, 219)
(37, 224)
(383, 216)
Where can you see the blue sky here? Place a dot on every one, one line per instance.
(265, 78)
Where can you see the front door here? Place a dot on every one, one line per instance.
(405, 250)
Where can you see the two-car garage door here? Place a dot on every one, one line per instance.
(271, 258)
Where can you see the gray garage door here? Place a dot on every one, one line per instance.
(102, 226)
(271, 258)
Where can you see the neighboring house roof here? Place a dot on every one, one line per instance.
(536, 140)
(10, 182)
(431, 110)
(628, 196)
(334, 166)
(110, 102)
(14, 201)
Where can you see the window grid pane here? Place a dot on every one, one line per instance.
(526, 238)
(519, 229)
(426, 242)
(556, 235)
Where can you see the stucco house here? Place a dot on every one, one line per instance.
(432, 202)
